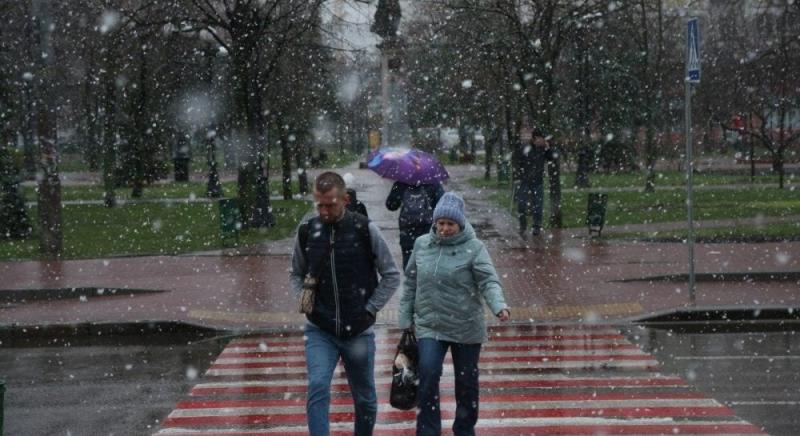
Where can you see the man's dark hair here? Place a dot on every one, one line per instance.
(329, 180)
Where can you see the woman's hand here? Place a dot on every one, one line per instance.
(504, 315)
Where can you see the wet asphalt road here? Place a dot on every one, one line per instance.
(126, 385)
(756, 373)
(99, 386)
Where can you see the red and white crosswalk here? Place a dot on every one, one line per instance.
(534, 380)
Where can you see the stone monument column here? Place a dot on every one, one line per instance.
(394, 117)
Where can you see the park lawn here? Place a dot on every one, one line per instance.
(626, 207)
(772, 232)
(93, 231)
(663, 178)
(173, 190)
(336, 159)
(674, 178)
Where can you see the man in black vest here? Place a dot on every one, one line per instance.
(346, 254)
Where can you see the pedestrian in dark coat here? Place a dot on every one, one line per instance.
(353, 205)
(416, 204)
(529, 195)
(355, 278)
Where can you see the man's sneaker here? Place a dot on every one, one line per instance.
(536, 231)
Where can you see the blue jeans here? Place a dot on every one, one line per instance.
(465, 365)
(323, 351)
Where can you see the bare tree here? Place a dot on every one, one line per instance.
(51, 237)
(760, 55)
(255, 36)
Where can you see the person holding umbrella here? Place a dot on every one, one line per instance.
(417, 189)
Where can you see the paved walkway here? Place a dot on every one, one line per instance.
(561, 277)
(534, 380)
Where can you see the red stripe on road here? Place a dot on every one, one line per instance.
(395, 416)
(505, 384)
(594, 429)
(393, 340)
(343, 401)
(495, 359)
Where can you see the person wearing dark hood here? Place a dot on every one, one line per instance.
(530, 191)
(416, 204)
(448, 278)
(353, 205)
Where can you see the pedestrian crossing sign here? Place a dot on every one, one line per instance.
(693, 52)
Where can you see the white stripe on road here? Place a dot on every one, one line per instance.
(606, 364)
(600, 422)
(763, 403)
(781, 357)
(509, 354)
(484, 378)
(300, 407)
(297, 344)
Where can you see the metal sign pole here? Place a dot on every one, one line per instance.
(692, 76)
(689, 199)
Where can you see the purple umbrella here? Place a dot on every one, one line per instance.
(409, 166)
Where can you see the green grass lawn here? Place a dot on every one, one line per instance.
(664, 206)
(779, 231)
(664, 178)
(156, 191)
(144, 229)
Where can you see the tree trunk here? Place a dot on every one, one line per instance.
(140, 126)
(214, 187)
(51, 238)
(254, 203)
(109, 146)
(300, 159)
(489, 142)
(286, 160)
(650, 159)
(554, 178)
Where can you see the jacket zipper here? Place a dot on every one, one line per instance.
(333, 281)
(436, 268)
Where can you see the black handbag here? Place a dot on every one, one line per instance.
(403, 394)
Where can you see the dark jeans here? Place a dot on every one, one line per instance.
(465, 366)
(407, 237)
(530, 202)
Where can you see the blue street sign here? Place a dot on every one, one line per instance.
(693, 51)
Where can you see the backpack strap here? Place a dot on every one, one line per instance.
(302, 235)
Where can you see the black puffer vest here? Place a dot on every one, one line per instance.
(340, 256)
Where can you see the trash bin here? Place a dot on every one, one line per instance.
(181, 165)
(596, 212)
(230, 220)
(503, 172)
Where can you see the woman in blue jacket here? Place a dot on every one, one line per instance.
(449, 275)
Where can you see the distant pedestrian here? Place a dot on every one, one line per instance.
(345, 254)
(416, 204)
(448, 277)
(529, 195)
(353, 205)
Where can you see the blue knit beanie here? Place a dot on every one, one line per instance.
(450, 206)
